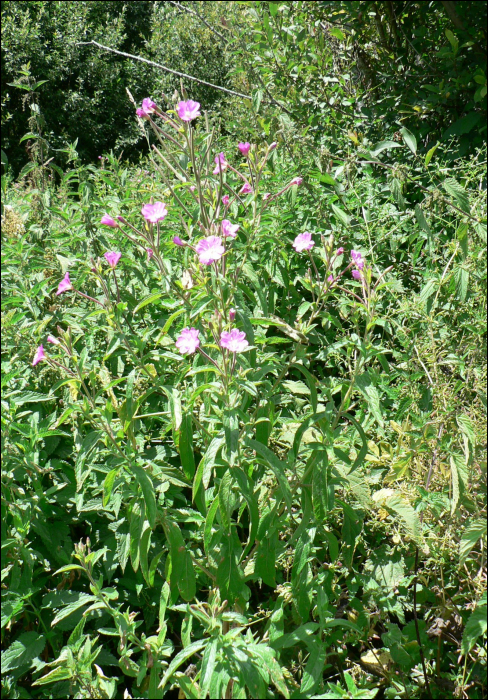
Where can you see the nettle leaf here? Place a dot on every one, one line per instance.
(458, 193)
(475, 628)
(23, 651)
(459, 476)
(473, 532)
(365, 385)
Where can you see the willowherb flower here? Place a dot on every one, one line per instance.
(107, 220)
(229, 230)
(177, 241)
(209, 250)
(220, 163)
(38, 356)
(53, 340)
(303, 242)
(357, 274)
(245, 189)
(266, 196)
(112, 257)
(357, 259)
(192, 188)
(150, 253)
(234, 340)
(154, 212)
(149, 106)
(65, 285)
(330, 279)
(244, 148)
(225, 200)
(296, 181)
(340, 251)
(189, 110)
(188, 342)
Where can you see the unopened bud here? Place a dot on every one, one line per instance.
(232, 314)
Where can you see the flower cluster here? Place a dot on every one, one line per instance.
(234, 340)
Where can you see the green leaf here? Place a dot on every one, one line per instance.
(231, 430)
(186, 445)
(144, 544)
(462, 282)
(207, 463)
(23, 651)
(229, 573)
(207, 532)
(79, 599)
(276, 466)
(313, 671)
(457, 192)
(365, 385)
(409, 139)
(341, 215)
(181, 561)
(58, 674)
(265, 563)
(148, 492)
(180, 658)
(382, 146)
(422, 221)
(257, 97)
(430, 153)
(311, 383)
(459, 476)
(406, 513)
(108, 484)
(471, 534)
(320, 485)
(148, 300)
(245, 487)
(475, 628)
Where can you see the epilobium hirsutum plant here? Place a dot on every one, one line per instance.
(199, 418)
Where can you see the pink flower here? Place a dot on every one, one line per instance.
(38, 356)
(357, 274)
(303, 242)
(112, 258)
(221, 163)
(189, 110)
(177, 241)
(357, 259)
(225, 200)
(330, 279)
(192, 188)
(232, 314)
(296, 181)
(149, 106)
(234, 340)
(65, 285)
(245, 189)
(188, 342)
(244, 148)
(150, 253)
(273, 146)
(266, 196)
(228, 229)
(209, 250)
(141, 113)
(107, 220)
(154, 212)
(53, 340)
(340, 251)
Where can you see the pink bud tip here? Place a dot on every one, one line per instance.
(53, 340)
(177, 241)
(340, 251)
(225, 200)
(232, 314)
(39, 356)
(150, 253)
(296, 181)
(107, 220)
(273, 146)
(65, 285)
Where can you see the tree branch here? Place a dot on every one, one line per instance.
(158, 65)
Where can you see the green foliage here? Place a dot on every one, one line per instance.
(302, 519)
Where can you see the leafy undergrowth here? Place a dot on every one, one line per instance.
(305, 518)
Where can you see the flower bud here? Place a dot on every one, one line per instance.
(232, 314)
